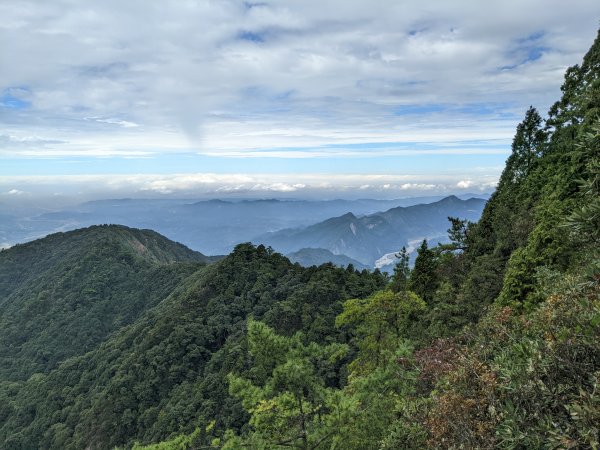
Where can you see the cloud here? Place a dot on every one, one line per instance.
(210, 185)
(417, 186)
(18, 142)
(224, 77)
(123, 123)
(15, 192)
(464, 184)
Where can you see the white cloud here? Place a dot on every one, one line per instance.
(15, 192)
(112, 121)
(418, 186)
(198, 185)
(225, 77)
(464, 184)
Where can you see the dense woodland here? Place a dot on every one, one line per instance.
(492, 341)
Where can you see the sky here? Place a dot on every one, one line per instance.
(303, 98)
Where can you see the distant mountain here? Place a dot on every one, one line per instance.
(61, 296)
(372, 239)
(316, 256)
(210, 226)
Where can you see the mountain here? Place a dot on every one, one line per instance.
(167, 371)
(209, 226)
(316, 256)
(491, 341)
(370, 238)
(63, 295)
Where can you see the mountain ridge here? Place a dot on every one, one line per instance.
(213, 227)
(171, 363)
(80, 286)
(367, 238)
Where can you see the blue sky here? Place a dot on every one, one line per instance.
(299, 97)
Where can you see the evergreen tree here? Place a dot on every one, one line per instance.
(401, 272)
(458, 233)
(528, 145)
(423, 278)
(286, 393)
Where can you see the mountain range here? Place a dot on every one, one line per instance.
(119, 338)
(212, 227)
(316, 256)
(373, 239)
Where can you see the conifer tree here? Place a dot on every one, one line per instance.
(528, 145)
(423, 278)
(401, 272)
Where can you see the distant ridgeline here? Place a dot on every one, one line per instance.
(115, 337)
(372, 240)
(215, 227)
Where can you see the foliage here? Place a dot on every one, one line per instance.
(401, 272)
(80, 287)
(292, 405)
(166, 373)
(523, 381)
(287, 393)
(423, 278)
(380, 323)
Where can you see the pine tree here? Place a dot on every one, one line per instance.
(528, 145)
(401, 272)
(423, 278)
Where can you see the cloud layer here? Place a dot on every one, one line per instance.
(294, 79)
(54, 189)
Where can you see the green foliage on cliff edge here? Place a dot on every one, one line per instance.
(506, 336)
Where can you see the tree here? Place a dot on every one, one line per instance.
(458, 233)
(401, 272)
(423, 278)
(380, 323)
(286, 392)
(528, 145)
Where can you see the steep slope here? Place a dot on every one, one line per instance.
(524, 224)
(62, 295)
(368, 238)
(167, 371)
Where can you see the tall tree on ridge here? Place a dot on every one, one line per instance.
(423, 278)
(401, 272)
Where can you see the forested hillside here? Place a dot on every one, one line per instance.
(491, 341)
(62, 295)
(167, 371)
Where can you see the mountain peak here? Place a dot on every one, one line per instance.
(101, 277)
(451, 198)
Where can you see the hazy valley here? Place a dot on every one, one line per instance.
(214, 227)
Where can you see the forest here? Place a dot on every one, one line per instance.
(112, 337)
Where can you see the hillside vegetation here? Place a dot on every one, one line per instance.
(62, 295)
(167, 371)
(490, 341)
